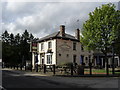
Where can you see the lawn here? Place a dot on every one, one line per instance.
(100, 71)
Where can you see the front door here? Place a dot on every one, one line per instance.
(42, 61)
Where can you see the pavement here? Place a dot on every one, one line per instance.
(86, 82)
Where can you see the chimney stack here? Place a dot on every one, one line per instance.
(62, 30)
(77, 34)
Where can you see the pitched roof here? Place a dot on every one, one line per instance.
(57, 35)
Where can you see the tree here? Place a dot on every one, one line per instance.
(117, 40)
(15, 48)
(31, 37)
(25, 45)
(5, 37)
(5, 47)
(101, 29)
(11, 39)
(17, 39)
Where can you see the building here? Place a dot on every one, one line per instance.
(58, 48)
(99, 59)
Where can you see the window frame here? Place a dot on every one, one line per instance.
(49, 45)
(74, 45)
(42, 46)
(49, 59)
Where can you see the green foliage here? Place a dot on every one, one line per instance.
(101, 28)
(117, 40)
(15, 48)
(65, 64)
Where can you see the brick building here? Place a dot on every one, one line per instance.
(58, 48)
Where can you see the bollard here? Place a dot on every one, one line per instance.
(36, 67)
(8, 66)
(25, 67)
(14, 66)
(90, 65)
(71, 69)
(31, 68)
(80, 70)
(44, 68)
(20, 67)
(11, 66)
(17, 67)
(54, 69)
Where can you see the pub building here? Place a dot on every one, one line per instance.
(58, 48)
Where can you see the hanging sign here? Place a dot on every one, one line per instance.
(34, 47)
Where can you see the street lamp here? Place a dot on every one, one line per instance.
(113, 68)
(30, 53)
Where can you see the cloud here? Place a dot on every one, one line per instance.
(45, 18)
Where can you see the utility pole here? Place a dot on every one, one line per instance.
(113, 68)
(31, 54)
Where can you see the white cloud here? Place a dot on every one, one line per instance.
(45, 18)
(25, 21)
(14, 7)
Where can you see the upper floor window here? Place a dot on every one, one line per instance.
(74, 46)
(49, 44)
(42, 46)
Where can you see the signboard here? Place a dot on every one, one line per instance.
(34, 47)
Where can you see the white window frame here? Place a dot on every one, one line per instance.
(49, 58)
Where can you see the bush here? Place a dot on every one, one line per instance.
(66, 64)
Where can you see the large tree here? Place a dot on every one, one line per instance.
(6, 47)
(101, 29)
(117, 40)
(15, 48)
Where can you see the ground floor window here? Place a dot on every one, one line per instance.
(49, 59)
(81, 59)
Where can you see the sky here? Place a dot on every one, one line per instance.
(44, 18)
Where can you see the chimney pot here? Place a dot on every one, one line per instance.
(62, 30)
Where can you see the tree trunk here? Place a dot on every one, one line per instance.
(106, 64)
(119, 60)
(113, 66)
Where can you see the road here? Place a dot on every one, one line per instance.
(17, 80)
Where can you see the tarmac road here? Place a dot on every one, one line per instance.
(15, 80)
(30, 81)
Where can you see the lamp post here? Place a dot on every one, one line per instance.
(113, 68)
(36, 61)
(30, 54)
(90, 65)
